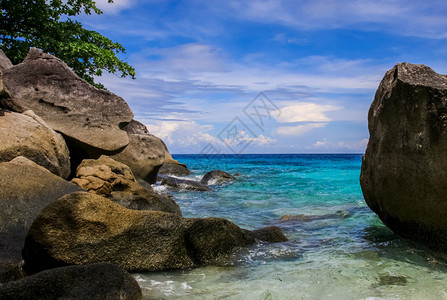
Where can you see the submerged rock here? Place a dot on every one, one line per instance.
(82, 228)
(216, 177)
(183, 184)
(403, 175)
(89, 118)
(144, 155)
(95, 281)
(29, 136)
(114, 180)
(25, 189)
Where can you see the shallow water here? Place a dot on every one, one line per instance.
(337, 248)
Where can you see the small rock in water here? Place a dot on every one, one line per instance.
(184, 184)
(216, 177)
(386, 279)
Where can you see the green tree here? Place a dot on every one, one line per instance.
(49, 26)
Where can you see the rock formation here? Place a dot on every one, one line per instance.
(144, 155)
(89, 118)
(25, 189)
(5, 63)
(114, 180)
(136, 127)
(404, 170)
(95, 281)
(82, 228)
(216, 177)
(29, 136)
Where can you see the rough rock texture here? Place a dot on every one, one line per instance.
(144, 155)
(114, 180)
(25, 189)
(136, 127)
(177, 169)
(216, 177)
(183, 184)
(5, 63)
(88, 117)
(83, 228)
(29, 136)
(404, 170)
(96, 281)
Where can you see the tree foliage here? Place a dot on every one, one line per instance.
(49, 25)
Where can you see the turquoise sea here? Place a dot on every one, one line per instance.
(337, 248)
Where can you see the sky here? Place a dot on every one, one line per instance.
(265, 76)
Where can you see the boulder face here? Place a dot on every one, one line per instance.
(216, 177)
(89, 118)
(5, 63)
(82, 228)
(25, 189)
(29, 136)
(114, 180)
(136, 127)
(144, 155)
(404, 170)
(95, 281)
(177, 169)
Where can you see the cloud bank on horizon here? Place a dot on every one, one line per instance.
(200, 64)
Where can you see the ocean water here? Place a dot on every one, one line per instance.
(337, 248)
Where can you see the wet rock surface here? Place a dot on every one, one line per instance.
(82, 228)
(403, 175)
(95, 281)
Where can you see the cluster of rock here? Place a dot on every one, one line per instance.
(404, 170)
(75, 192)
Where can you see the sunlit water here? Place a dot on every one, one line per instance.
(337, 248)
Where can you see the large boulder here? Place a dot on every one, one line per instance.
(144, 155)
(216, 177)
(114, 180)
(170, 165)
(95, 281)
(136, 127)
(82, 228)
(89, 118)
(29, 136)
(404, 177)
(5, 63)
(25, 189)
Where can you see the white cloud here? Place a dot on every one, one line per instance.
(298, 130)
(360, 145)
(321, 144)
(243, 138)
(183, 133)
(305, 112)
(426, 19)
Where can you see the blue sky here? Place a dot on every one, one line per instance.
(201, 65)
